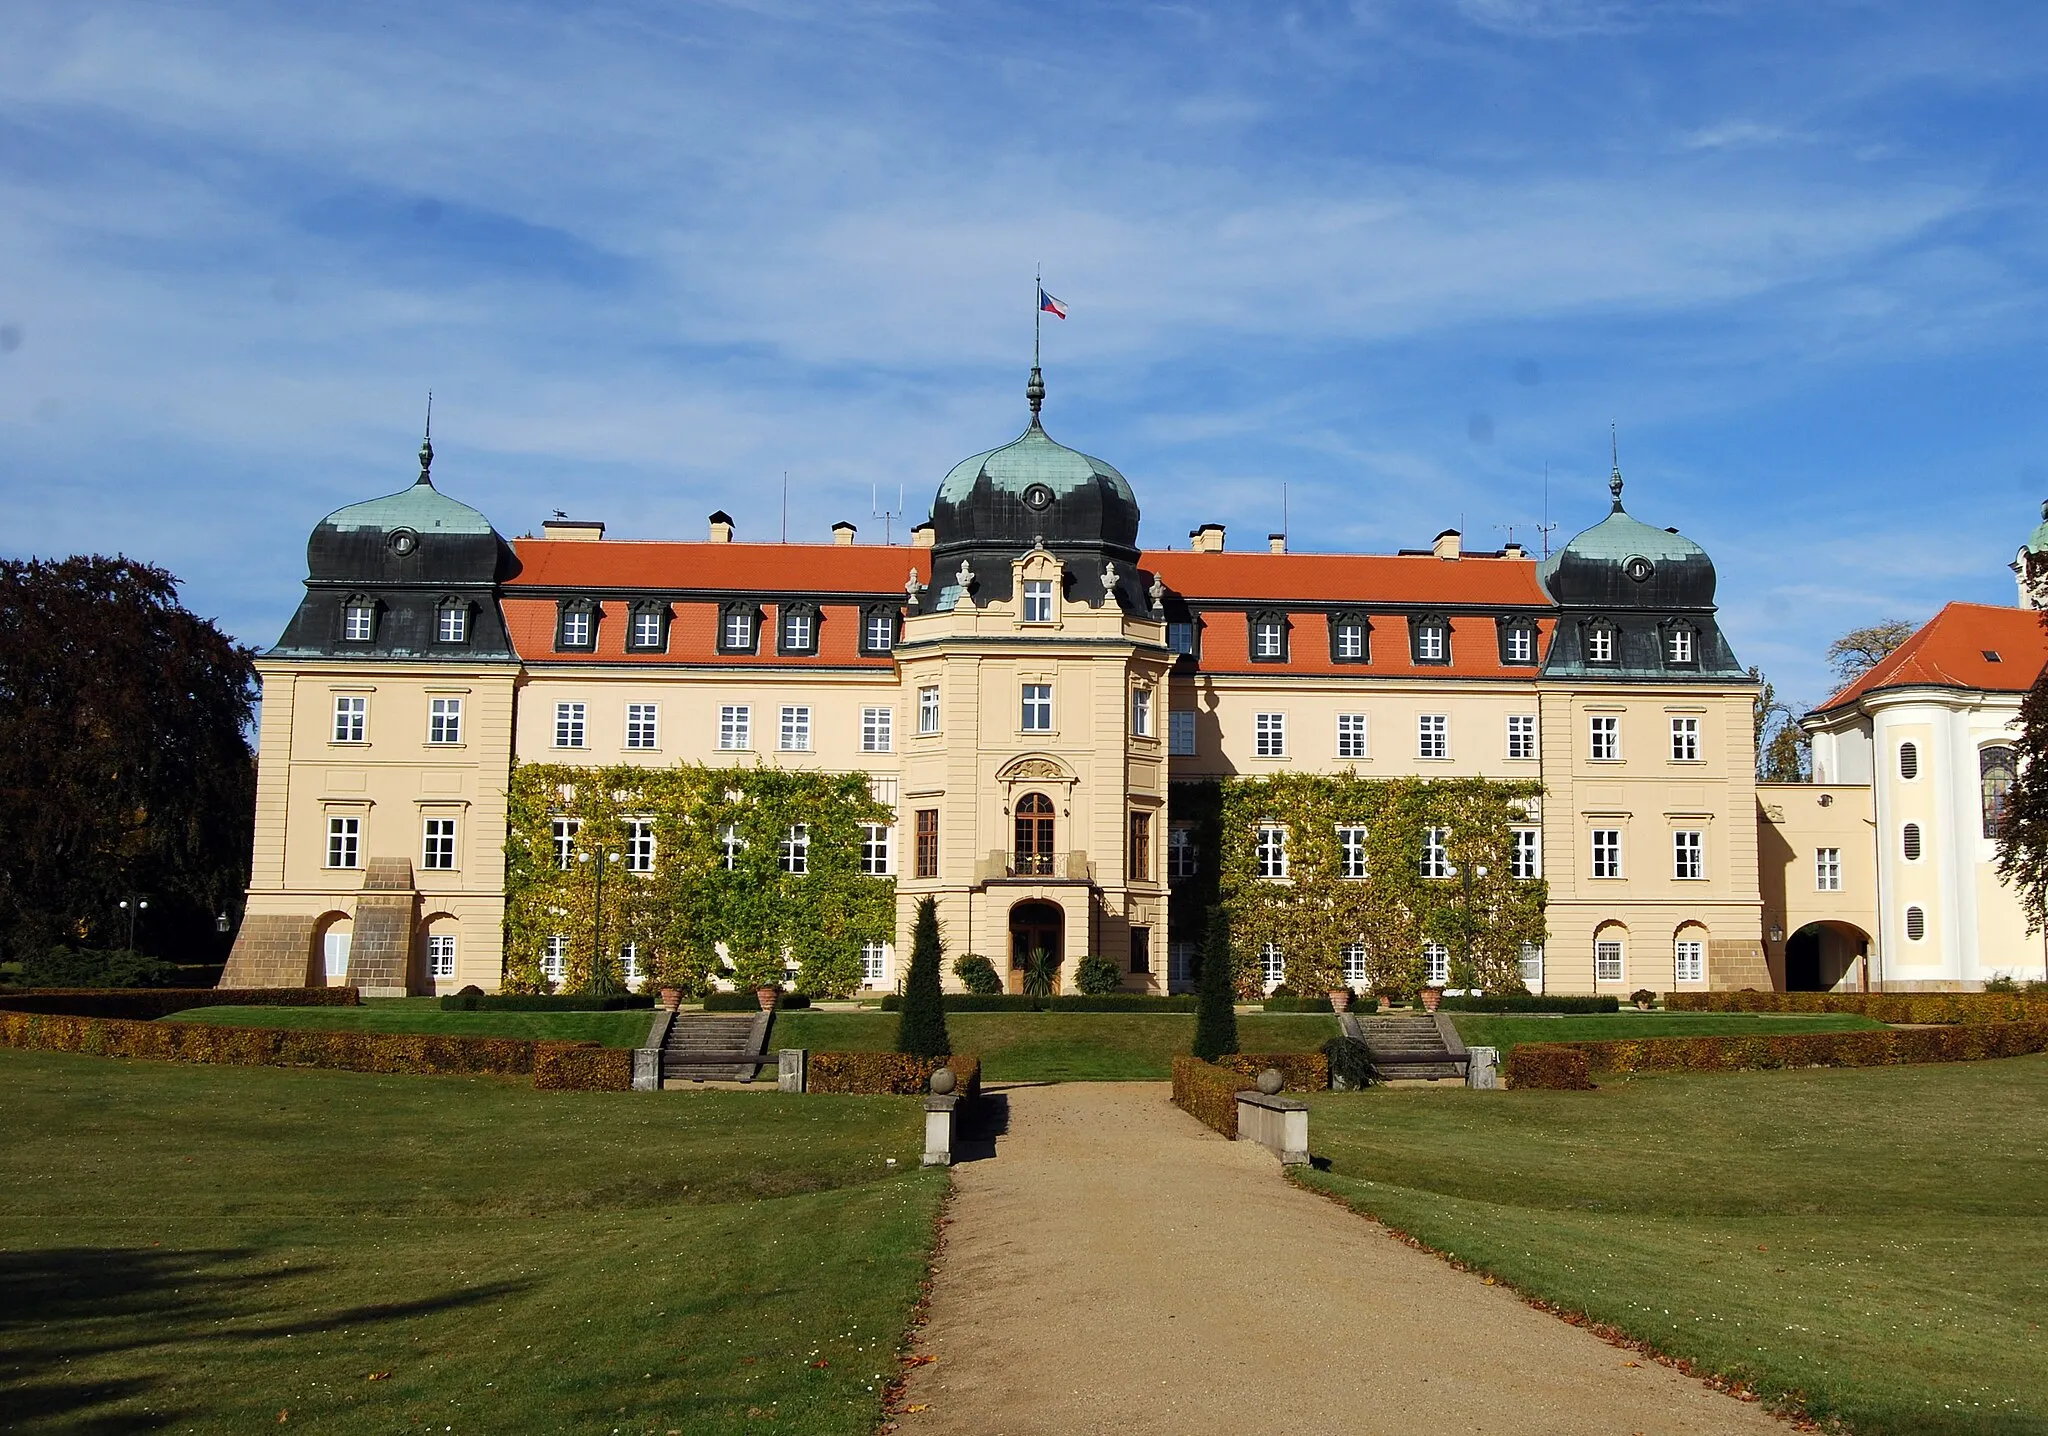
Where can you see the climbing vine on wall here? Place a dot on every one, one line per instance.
(1483, 920)
(691, 901)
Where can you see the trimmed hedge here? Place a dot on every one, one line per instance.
(1531, 1004)
(1927, 1008)
(1547, 1064)
(1958, 1042)
(582, 1067)
(538, 1002)
(1208, 1093)
(1011, 1002)
(888, 1073)
(1298, 1004)
(415, 1053)
(1304, 1071)
(748, 1002)
(142, 1004)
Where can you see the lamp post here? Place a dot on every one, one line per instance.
(597, 917)
(133, 906)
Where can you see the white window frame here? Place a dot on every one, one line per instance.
(795, 855)
(1685, 739)
(1350, 641)
(1521, 736)
(1269, 735)
(1352, 956)
(1429, 642)
(1351, 736)
(1141, 712)
(571, 725)
(1272, 964)
(1037, 600)
(1433, 735)
(1609, 960)
(1183, 859)
(1529, 965)
(1600, 644)
(1180, 733)
(1351, 859)
(344, 841)
(1689, 960)
(875, 849)
(1436, 965)
(576, 628)
(1603, 737)
(881, 632)
(1827, 870)
(1436, 853)
(562, 833)
(451, 623)
(629, 962)
(554, 958)
(437, 845)
(1035, 705)
(444, 721)
(735, 727)
(1269, 638)
(730, 845)
(795, 732)
(639, 845)
(797, 631)
(1521, 644)
(643, 726)
(874, 964)
(1688, 854)
(359, 622)
(877, 730)
(351, 718)
(647, 628)
(928, 710)
(739, 632)
(1526, 859)
(1681, 647)
(1606, 844)
(1269, 851)
(440, 954)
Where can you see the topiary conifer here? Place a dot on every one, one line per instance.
(1216, 1010)
(921, 1026)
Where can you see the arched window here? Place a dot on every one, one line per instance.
(1909, 760)
(1996, 769)
(1034, 835)
(1909, 842)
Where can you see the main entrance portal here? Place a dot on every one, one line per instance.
(1034, 927)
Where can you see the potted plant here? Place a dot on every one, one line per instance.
(1340, 999)
(1432, 998)
(761, 971)
(1642, 997)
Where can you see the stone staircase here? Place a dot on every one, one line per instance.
(1412, 1047)
(714, 1047)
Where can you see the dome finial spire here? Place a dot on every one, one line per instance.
(427, 443)
(1614, 449)
(1034, 392)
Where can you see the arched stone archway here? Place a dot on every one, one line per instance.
(1827, 957)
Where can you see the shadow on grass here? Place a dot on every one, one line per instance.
(61, 1305)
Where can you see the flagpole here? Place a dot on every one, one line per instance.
(1037, 309)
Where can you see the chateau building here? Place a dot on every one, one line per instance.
(1023, 685)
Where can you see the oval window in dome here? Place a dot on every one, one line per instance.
(1038, 496)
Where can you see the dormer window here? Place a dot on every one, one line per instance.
(451, 621)
(1180, 635)
(1600, 642)
(358, 619)
(1348, 643)
(1430, 639)
(1681, 646)
(647, 631)
(798, 633)
(1517, 641)
(736, 628)
(878, 631)
(1268, 637)
(576, 625)
(1038, 600)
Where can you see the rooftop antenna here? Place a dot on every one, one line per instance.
(887, 516)
(785, 505)
(1546, 528)
(1283, 511)
(1511, 533)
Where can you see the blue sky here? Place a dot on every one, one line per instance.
(1400, 255)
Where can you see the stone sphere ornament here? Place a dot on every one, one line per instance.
(943, 1081)
(1270, 1081)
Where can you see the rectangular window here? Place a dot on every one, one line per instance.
(1606, 737)
(1689, 961)
(1141, 713)
(1350, 735)
(735, 726)
(351, 719)
(1531, 964)
(1269, 639)
(344, 842)
(569, 725)
(642, 725)
(1527, 859)
(1180, 733)
(739, 632)
(874, 849)
(796, 849)
(629, 962)
(437, 848)
(554, 959)
(1681, 645)
(1429, 643)
(927, 842)
(647, 628)
(1141, 849)
(877, 729)
(1521, 645)
(1353, 956)
(1180, 636)
(1037, 708)
(453, 628)
(928, 710)
(441, 954)
(1270, 851)
(1436, 852)
(1141, 949)
(564, 832)
(1180, 852)
(1606, 961)
(796, 632)
(576, 628)
(1436, 964)
(1688, 854)
(1521, 735)
(1272, 964)
(444, 720)
(730, 846)
(1350, 644)
(1351, 852)
(874, 957)
(1607, 852)
(1827, 870)
(1038, 600)
(1180, 963)
(359, 623)
(639, 845)
(1600, 644)
(1433, 736)
(1269, 735)
(1685, 740)
(796, 729)
(881, 632)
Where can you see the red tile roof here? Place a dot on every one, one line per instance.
(1348, 578)
(692, 638)
(612, 564)
(1949, 651)
(1475, 649)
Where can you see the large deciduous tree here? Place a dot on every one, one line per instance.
(1781, 748)
(125, 768)
(2023, 825)
(1862, 649)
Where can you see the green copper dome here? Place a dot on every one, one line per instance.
(2037, 541)
(1032, 458)
(421, 508)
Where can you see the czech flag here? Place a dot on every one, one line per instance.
(1048, 305)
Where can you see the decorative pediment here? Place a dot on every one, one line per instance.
(1035, 768)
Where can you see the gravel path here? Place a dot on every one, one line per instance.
(1118, 1267)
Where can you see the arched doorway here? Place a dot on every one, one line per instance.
(332, 936)
(1035, 926)
(1825, 957)
(1034, 836)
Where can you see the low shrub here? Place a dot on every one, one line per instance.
(888, 1073)
(1526, 1003)
(978, 973)
(1097, 976)
(582, 1067)
(1918, 1008)
(748, 1002)
(546, 1002)
(1013, 1002)
(95, 967)
(1350, 1063)
(1956, 1042)
(1277, 1003)
(1548, 1064)
(1642, 997)
(418, 1054)
(1303, 1071)
(1208, 1093)
(143, 1004)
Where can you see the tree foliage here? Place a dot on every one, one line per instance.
(1215, 1009)
(2023, 828)
(125, 767)
(921, 1026)
(1862, 649)
(1783, 751)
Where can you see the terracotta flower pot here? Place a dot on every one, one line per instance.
(672, 998)
(1386, 1003)
(1432, 998)
(1340, 999)
(766, 996)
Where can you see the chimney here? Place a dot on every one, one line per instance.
(842, 533)
(721, 527)
(923, 536)
(1449, 544)
(573, 530)
(1276, 543)
(1206, 539)
(1511, 549)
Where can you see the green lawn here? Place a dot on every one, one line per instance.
(1876, 1239)
(1057, 1046)
(424, 1014)
(1504, 1031)
(200, 1248)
